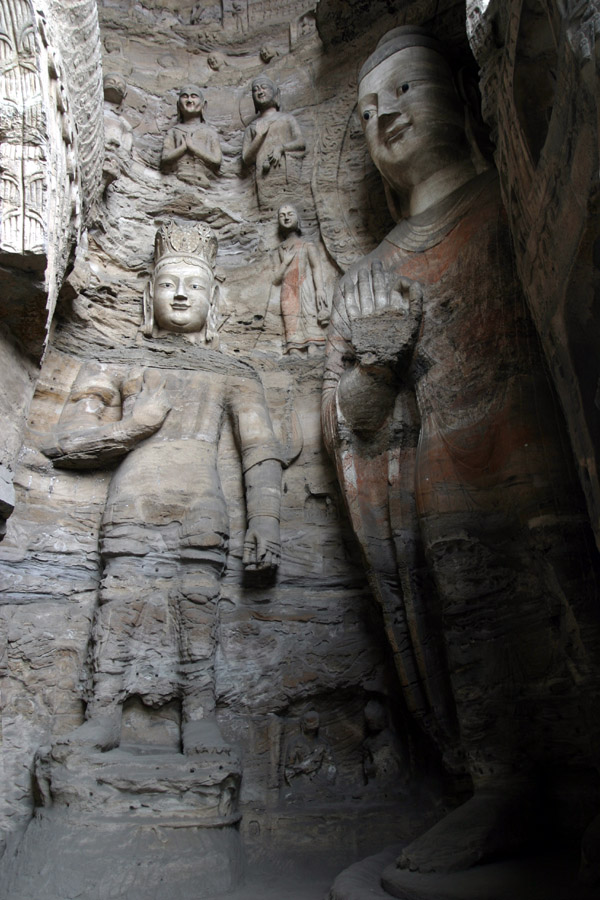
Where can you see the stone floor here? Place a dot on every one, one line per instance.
(286, 880)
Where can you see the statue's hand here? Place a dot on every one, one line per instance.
(150, 407)
(275, 155)
(261, 545)
(287, 255)
(385, 313)
(323, 312)
(259, 127)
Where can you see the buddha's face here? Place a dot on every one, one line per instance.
(263, 93)
(114, 88)
(288, 217)
(310, 723)
(411, 116)
(182, 297)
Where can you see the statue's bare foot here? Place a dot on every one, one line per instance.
(493, 822)
(101, 733)
(203, 736)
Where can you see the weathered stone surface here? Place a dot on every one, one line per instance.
(539, 79)
(311, 638)
(49, 170)
(435, 397)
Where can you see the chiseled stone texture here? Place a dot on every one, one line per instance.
(311, 639)
(540, 89)
(51, 148)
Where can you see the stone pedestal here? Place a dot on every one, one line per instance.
(132, 825)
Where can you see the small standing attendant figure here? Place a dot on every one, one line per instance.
(304, 306)
(191, 148)
(274, 143)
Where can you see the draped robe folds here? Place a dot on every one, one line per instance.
(298, 303)
(464, 501)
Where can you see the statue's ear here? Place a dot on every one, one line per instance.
(467, 87)
(148, 309)
(212, 319)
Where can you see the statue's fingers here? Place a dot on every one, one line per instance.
(381, 292)
(365, 292)
(415, 291)
(350, 299)
(250, 557)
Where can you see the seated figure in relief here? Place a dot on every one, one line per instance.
(191, 148)
(303, 300)
(309, 763)
(165, 529)
(449, 448)
(274, 143)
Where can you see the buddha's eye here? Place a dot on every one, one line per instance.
(405, 87)
(367, 115)
(195, 286)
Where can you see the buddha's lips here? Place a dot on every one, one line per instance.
(397, 131)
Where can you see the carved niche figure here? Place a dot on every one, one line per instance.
(191, 148)
(164, 533)
(303, 299)
(309, 760)
(118, 133)
(448, 445)
(381, 757)
(274, 143)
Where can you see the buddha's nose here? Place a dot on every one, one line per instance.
(389, 105)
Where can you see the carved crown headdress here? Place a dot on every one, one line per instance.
(195, 244)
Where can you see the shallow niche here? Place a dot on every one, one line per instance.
(534, 82)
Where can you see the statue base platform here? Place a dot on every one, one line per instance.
(542, 877)
(131, 824)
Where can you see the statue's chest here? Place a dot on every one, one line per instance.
(196, 401)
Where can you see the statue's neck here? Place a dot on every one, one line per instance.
(440, 185)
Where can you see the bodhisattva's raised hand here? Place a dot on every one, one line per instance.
(384, 313)
(150, 406)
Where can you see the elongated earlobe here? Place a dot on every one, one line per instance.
(212, 319)
(148, 310)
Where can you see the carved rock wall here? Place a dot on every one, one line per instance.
(51, 147)
(539, 80)
(312, 640)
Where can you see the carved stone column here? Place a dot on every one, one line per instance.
(50, 157)
(540, 85)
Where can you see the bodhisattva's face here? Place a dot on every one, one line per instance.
(190, 104)
(288, 218)
(411, 116)
(182, 295)
(263, 93)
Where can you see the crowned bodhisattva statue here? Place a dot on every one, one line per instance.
(164, 533)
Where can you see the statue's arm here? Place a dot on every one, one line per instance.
(261, 462)
(286, 257)
(100, 423)
(320, 293)
(204, 144)
(295, 141)
(127, 139)
(254, 137)
(174, 148)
